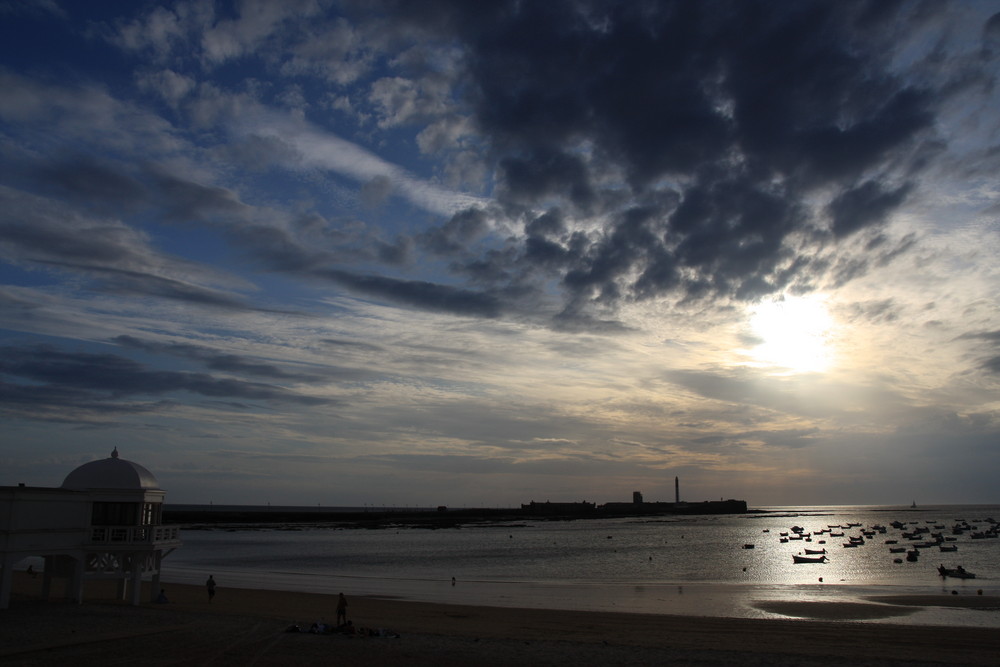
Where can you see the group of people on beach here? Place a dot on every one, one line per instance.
(343, 626)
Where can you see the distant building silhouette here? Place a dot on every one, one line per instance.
(548, 508)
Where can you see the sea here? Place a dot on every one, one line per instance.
(722, 565)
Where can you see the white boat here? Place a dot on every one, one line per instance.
(808, 559)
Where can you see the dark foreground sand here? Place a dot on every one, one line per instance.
(247, 627)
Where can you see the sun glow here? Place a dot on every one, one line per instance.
(793, 333)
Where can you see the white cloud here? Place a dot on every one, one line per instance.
(168, 84)
(322, 150)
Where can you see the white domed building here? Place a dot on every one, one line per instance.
(104, 522)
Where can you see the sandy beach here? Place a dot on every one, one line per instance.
(248, 627)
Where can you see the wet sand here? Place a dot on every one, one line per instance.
(247, 627)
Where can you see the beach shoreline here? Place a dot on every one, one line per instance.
(243, 626)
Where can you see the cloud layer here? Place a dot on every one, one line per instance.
(513, 248)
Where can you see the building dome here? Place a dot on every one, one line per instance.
(110, 473)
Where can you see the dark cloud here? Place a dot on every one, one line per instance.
(455, 235)
(352, 344)
(546, 174)
(992, 336)
(990, 363)
(33, 231)
(875, 312)
(688, 150)
(240, 364)
(991, 37)
(188, 201)
(116, 257)
(213, 359)
(80, 378)
(134, 283)
(59, 404)
(863, 206)
(725, 122)
(85, 181)
(418, 293)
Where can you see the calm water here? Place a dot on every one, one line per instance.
(658, 565)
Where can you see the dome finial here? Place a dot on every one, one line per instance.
(114, 454)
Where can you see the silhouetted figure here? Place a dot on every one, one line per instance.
(162, 597)
(341, 610)
(32, 572)
(210, 587)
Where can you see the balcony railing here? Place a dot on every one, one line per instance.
(133, 534)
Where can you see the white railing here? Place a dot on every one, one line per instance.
(133, 534)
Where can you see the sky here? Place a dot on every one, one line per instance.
(475, 254)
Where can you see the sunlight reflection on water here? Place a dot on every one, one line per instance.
(667, 566)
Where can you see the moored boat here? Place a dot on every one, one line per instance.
(808, 559)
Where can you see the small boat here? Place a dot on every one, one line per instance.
(912, 556)
(897, 550)
(949, 547)
(748, 546)
(958, 573)
(808, 559)
(813, 552)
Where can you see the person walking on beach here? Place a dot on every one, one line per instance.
(210, 587)
(341, 610)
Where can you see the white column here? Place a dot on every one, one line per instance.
(154, 586)
(136, 579)
(47, 577)
(122, 590)
(76, 580)
(6, 580)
